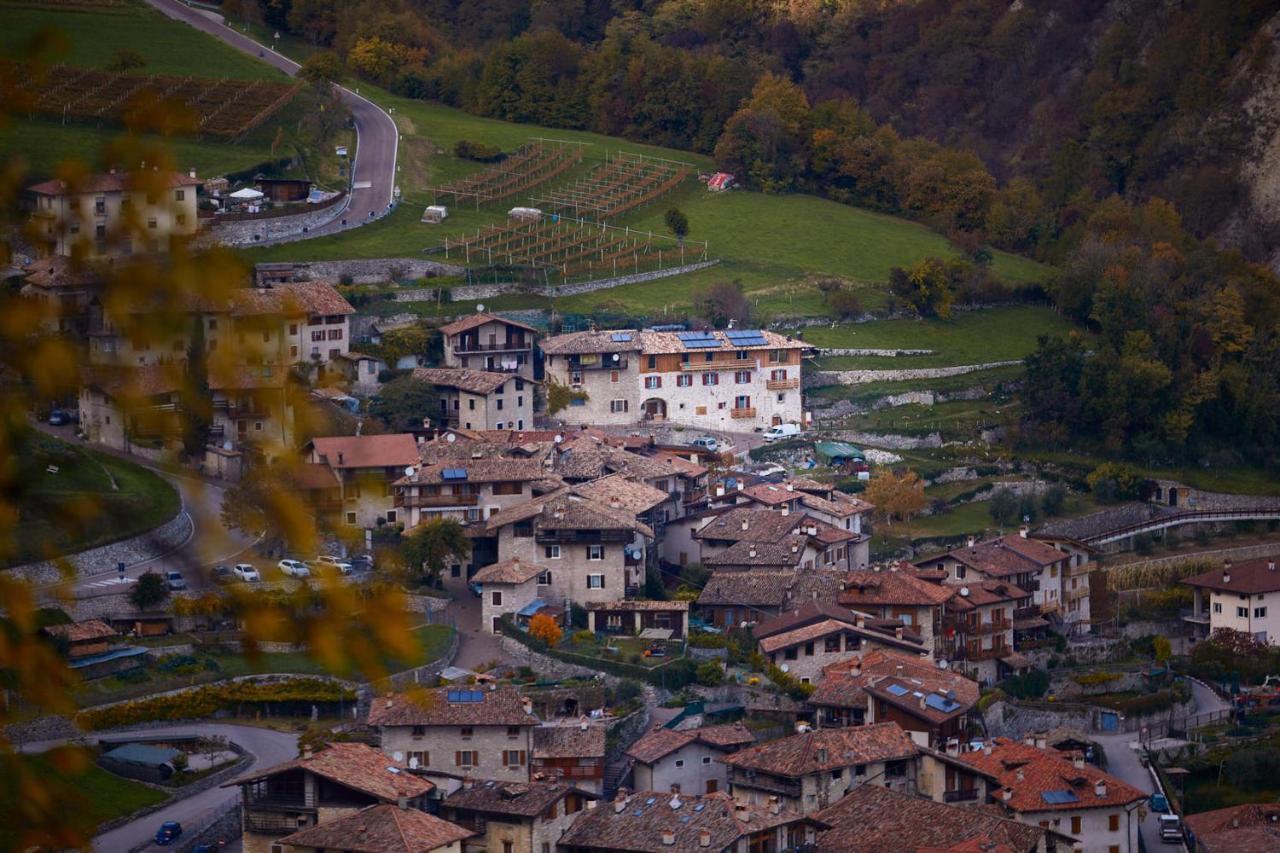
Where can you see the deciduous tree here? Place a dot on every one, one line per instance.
(432, 544)
(543, 627)
(896, 495)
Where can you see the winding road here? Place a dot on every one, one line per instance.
(373, 173)
(266, 746)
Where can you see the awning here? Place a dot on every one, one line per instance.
(246, 194)
(656, 634)
(455, 673)
(532, 607)
(1016, 661)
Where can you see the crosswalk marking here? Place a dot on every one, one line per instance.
(110, 582)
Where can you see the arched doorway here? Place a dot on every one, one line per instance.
(655, 409)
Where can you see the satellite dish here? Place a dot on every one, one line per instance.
(615, 356)
(408, 471)
(479, 307)
(964, 591)
(451, 438)
(413, 762)
(558, 439)
(942, 664)
(786, 667)
(398, 756)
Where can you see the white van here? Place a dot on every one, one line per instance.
(781, 431)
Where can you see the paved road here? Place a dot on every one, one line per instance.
(374, 167)
(210, 542)
(268, 747)
(1123, 761)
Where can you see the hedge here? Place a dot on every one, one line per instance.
(205, 701)
(673, 675)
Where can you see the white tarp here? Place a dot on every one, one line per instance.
(246, 194)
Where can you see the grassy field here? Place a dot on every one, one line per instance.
(92, 500)
(91, 38)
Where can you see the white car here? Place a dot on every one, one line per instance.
(294, 568)
(338, 563)
(245, 572)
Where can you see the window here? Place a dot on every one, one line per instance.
(497, 598)
(552, 552)
(710, 357)
(613, 376)
(836, 774)
(684, 358)
(151, 222)
(742, 401)
(351, 518)
(684, 380)
(471, 404)
(698, 410)
(421, 756)
(595, 553)
(419, 731)
(706, 759)
(466, 732)
(742, 377)
(616, 406)
(653, 362)
(1242, 612)
(595, 581)
(391, 516)
(317, 335)
(508, 846)
(1259, 612)
(652, 382)
(711, 379)
(466, 758)
(1113, 822)
(831, 644)
(1075, 824)
(1217, 607)
(293, 328)
(499, 407)
(182, 219)
(776, 356)
(519, 384)
(575, 377)
(791, 653)
(679, 762)
(335, 334)
(179, 195)
(777, 375)
(519, 402)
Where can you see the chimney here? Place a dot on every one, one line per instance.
(676, 802)
(468, 783)
(1078, 761)
(704, 839)
(986, 750)
(306, 751)
(402, 803)
(745, 524)
(897, 632)
(742, 813)
(860, 621)
(1006, 794)
(591, 804)
(972, 540)
(924, 706)
(786, 510)
(339, 457)
(822, 755)
(668, 838)
(1100, 789)
(790, 488)
(1022, 777)
(1023, 531)
(582, 724)
(527, 704)
(752, 552)
(775, 807)
(795, 549)
(1226, 571)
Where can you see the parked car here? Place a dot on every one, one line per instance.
(58, 418)
(175, 580)
(337, 562)
(246, 573)
(781, 432)
(1159, 804)
(1170, 829)
(222, 575)
(709, 443)
(169, 832)
(362, 562)
(294, 568)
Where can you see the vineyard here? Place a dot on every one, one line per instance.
(621, 183)
(531, 164)
(222, 108)
(571, 248)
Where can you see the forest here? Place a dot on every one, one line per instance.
(1098, 136)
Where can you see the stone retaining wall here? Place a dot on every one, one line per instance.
(547, 667)
(103, 560)
(272, 229)
(379, 270)
(861, 377)
(855, 351)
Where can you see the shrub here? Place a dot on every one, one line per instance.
(1031, 685)
(206, 701)
(545, 629)
(628, 689)
(583, 638)
(710, 673)
(467, 149)
(1095, 679)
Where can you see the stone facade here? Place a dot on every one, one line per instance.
(437, 748)
(694, 768)
(578, 573)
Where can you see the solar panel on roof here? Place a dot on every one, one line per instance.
(466, 696)
(453, 474)
(702, 343)
(621, 337)
(897, 689)
(694, 336)
(638, 812)
(941, 703)
(699, 807)
(1058, 798)
(650, 801)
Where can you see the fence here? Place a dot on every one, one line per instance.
(672, 675)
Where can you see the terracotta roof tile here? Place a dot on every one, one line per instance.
(1249, 577)
(661, 742)
(620, 489)
(508, 571)
(750, 588)
(395, 450)
(1250, 828)
(561, 510)
(578, 343)
(78, 632)
(846, 683)
(826, 749)
(486, 470)
(1031, 773)
(1004, 556)
(474, 321)
(500, 707)
(525, 799)
(355, 765)
(865, 587)
(105, 182)
(380, 829)
(762, 525)
(462, 378)
(785, 553)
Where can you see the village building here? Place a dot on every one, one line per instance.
(379, 829)
(804, 641)
(735, 380)
(515, 817)
(686, 761)
(490, 343)
(874, 819)
(364, 467)
(885, 685)
(658, 821)
(979, 629)
(1249, 828)
(1236, 597)
(1064, 794)
(115, 213)
(659, 620)
(83, 639)
(464, 489)
(455, 733)
(319, 788)
(477, 399)
(894, 593)
(808, 772)
(571, 752)
(63, 288)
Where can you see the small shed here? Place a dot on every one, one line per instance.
(435, 214)
(284, 189)
(140, 761)
(838, 453)
(524, 213)
(719, 182)
(91, 637)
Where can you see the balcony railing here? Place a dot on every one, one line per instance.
(278, 823)
(736, 364)
(960, 796)
(1078, 593)
(411, 501)
(583, 537)
(467, 348)
(739, 414)
(782, 384)
(964, 653)
(1201, 618)
(606, 363)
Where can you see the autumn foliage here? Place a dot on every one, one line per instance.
(544, 628)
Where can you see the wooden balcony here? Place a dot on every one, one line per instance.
(962, 795)
(741, 414)
(1078, 593)
(782, 384)
(471, 348)
(963, 653)
(583, 537)
(735, 364)
(411, 501)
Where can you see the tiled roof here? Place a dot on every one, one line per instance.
(840, 625)
(1042, 780)
(874, 819)
(806, 614)
(61, 271)
(826, 534)
(1249, 577)
(771, 494)
(826, 749)
(487, 470)
(866, 587)
(312, 476)
(638, 823)
(474, 321)
(508, 571)
(569, 741)
(577, 343)
(1004, 556)
(984, 593)
(563, 511)
(143, 381)
(525, 799)
(679, 464)
(380, 829)
(355, 765)
(288, 299)
(462, 378)
(839, 505)
(396, 450)
(661, 742)
(623, 492)
(669, 342)
(586, 458)
(844, 684)
(762, 525)
(498, 707)
(750, 588)
(1250, 828)
(107, 182)
(785, 553)
(635, 604)
(233, 376)
(79, 632)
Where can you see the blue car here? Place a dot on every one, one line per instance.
(169, 832)
(1159, 804)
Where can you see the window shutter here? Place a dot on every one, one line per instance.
(457, 759)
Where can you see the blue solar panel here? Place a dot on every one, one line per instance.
(466, 696)
(650, 801)
(453, 474)
(1058, 798)
(941, 703)
(621, 337)
(702, 343)
(897, 690)
(699, 807)
(695, 336)
(744, 333)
